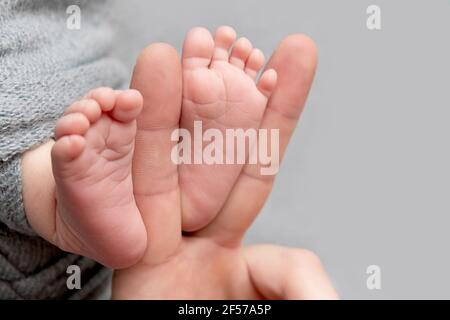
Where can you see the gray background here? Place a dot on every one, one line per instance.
(366, 179)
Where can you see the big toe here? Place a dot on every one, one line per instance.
(198, 48)
(128, 106)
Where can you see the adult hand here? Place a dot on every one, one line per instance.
(211, 263)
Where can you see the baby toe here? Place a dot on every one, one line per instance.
(240, 53)
(67, 149)
(128, 106)
(73, 123)
(198, 48)
(88, 107)
(224, 39)
(106, 98)
(254, 63)
(268, 82)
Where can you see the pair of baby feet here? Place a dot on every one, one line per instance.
(97, 215)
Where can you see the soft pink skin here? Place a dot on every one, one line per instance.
(212, 263)
(96, 213)
(219, 89)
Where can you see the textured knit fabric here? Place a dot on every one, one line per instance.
(44, 67)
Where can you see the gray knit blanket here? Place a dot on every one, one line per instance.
(44, 67)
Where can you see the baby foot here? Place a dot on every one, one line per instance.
(96, 214)
(219, 90)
